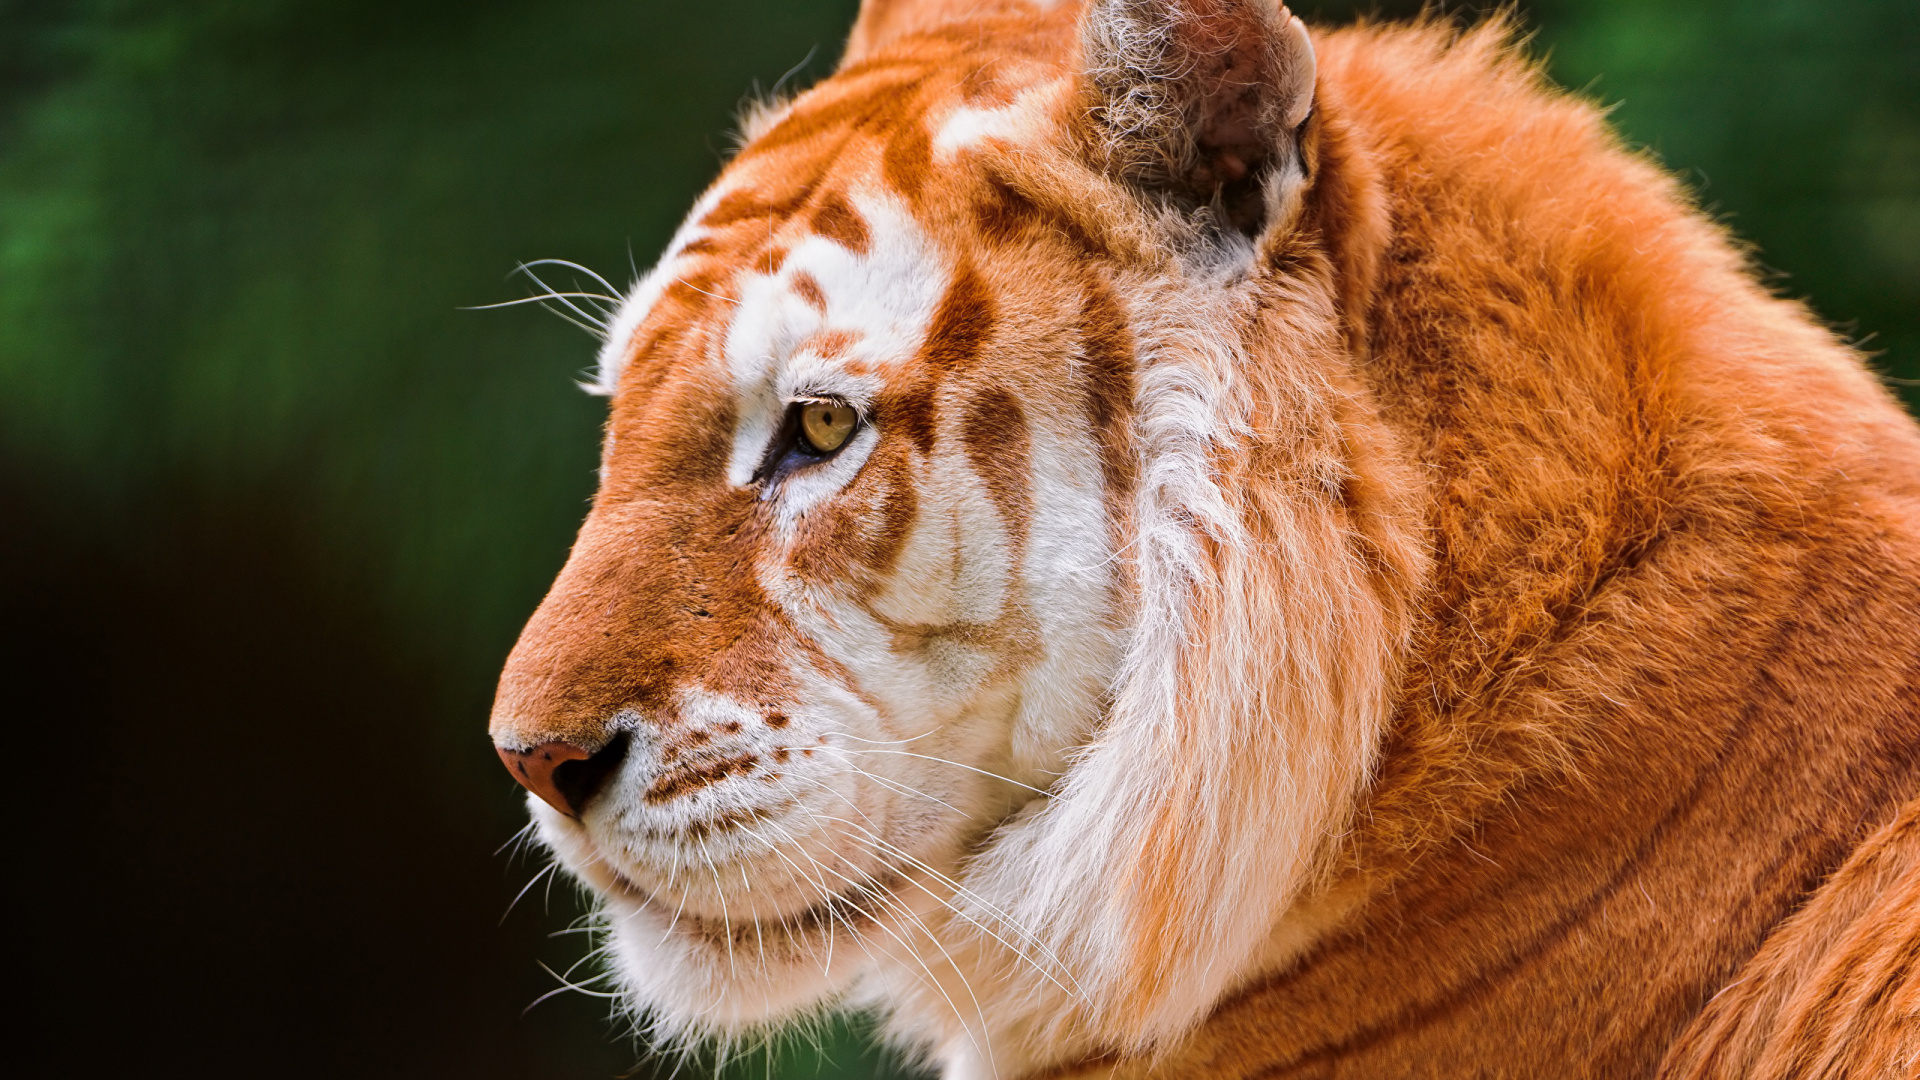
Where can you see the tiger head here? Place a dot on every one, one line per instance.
(987, 612)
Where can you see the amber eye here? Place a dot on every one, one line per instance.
(826, 425)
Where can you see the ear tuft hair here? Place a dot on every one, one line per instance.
(1199, 102)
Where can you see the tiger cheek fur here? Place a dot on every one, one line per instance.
(1134, 540)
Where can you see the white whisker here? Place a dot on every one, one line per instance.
(960, 891)
(955, 764)
(589, 320)
(886, 847)
(603, 282)
(540, 298)
(564, 987)
(726, 921)
(703, 292)
(517, 840)
(894, 786)
(546, 871)
(886, 742)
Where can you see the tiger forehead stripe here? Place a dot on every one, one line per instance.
(779, 177)
(808, 290)
(836, 219)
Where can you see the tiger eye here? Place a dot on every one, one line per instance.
(825, 425)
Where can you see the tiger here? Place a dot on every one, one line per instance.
(1136, 538)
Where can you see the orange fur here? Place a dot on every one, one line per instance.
(1835, 992)
(1666, 672)
(1540, 610)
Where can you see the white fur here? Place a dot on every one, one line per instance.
(1014, 122)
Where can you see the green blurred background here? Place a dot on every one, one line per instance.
(272, 506)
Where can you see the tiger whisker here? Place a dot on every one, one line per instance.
(595, 328)
(546, 895)
(613, 301)
(863, 883)
(545, 871)
(753, 909)
(892, 901)
(591, 320)
(888, 848)
(866, 882)
(955, 764)
(833, 916)
(885, 847)
(703, 292)
(886, 742)
(1039, 969)
(774, 94)
(894, 786)
(675, 921)
(591, 954)
(961, 891)
(888, 899)
(726, 921)
(604, 283)
(564, 987)
(801, 871)
(540, 298)
(521, 836)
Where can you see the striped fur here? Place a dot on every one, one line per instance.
(1340, 572)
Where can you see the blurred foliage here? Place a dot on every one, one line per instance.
(236, 239)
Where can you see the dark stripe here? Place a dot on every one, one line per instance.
(691, 778)
(859, 110)
(995, 434)
(1487, 980)
(961, 327)
(1107, 344)
(1003, 215)
(837, 220)
(909, 157)
(858, 537)
(807, 288)
(959, 331)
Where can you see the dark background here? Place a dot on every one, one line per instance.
(272, 507)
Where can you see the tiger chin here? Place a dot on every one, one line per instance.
(1142, 539)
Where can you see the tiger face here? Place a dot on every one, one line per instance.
(876, 674)
(847, 595)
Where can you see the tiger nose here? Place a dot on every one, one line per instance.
(565, 776)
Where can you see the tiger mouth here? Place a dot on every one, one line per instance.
(852, 909)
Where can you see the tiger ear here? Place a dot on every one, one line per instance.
(1199, 103)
